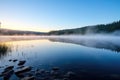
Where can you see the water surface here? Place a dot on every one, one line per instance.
(89, 63)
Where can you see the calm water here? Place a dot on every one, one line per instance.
(89, 63)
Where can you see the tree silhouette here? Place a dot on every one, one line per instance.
(101, 28)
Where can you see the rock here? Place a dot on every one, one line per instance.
(22, 70)
(65, 79)
(55, 73)
(15, 60)
(55, 68)
(21, 62)
(42, 71)
(30, 74)
(8, 68)
(6, 65)
(20, 67)
(8, 74)
(1, 74)
(70, 74)
(20, 75)
(57, 79)
(47, 72)
(25, 74)
(32, 71)
(1, 66)
(29, 78)
(37, 69)
(10, 60)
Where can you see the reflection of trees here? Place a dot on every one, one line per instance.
(4, 49)
(90, 43)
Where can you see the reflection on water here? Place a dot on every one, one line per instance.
(4, 49)
(101, 44)
(88, 63)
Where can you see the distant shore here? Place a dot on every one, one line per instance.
(18, 38)
(72, 37)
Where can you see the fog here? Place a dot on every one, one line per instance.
(97, 41)
(103, 41)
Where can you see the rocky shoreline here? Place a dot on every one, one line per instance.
(28, 73)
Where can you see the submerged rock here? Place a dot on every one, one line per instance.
(7, 71)
(29, 78)
(26, 73)
(21, 62)
(22, 70)
(1, 74)
(48, 72)
(70, 74)
(10, 60)
(1, 66)
(20, 67)
(42, 71)
(8, 74)
(57, 79)
(55, 68)
(8, 68)
(15, 60)
(65, 79)
(55, 73)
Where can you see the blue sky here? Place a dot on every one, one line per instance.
(46, 15)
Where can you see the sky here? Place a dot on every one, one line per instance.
(47, 15)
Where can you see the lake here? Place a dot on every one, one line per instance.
(100, 61)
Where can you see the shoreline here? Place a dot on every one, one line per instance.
(7, 38)
(19, 38)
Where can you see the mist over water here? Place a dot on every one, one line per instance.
(102, 41)
(97, 41)
(80, 54)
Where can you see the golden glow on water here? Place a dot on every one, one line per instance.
(24, 44)
(28, 42)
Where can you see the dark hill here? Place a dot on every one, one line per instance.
(17, 32)
(96, 29)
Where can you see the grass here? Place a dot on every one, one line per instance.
(3, 50)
